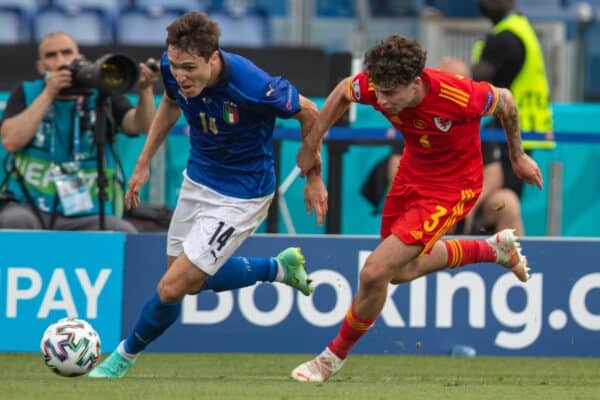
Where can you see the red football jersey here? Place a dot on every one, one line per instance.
(441, 134)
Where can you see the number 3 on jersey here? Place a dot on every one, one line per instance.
(208, 124)
(434, 219)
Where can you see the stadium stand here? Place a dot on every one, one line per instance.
(339, 8)
(593, 3)
(453, 9)
(534, 9)
(111, 7)
(273, 8)
(382, 27)
(16, 19)
(333, 33)
(15, 25)
(144, 26)
(29, 5)
(87, 25)
(541, 9)
(197, 5)
(241, 26)
(393, 9)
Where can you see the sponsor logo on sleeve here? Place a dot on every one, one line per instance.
(356, 89)
(270, 91)
(488, 102)
(288, 101)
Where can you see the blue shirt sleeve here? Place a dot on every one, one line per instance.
(281, 96)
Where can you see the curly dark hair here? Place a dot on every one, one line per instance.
(396, 60)
(195, 33)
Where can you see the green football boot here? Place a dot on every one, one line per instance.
(115, 366)
(295, 275)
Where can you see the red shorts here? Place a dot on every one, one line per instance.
(421, 215)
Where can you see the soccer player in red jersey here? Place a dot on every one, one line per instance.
(438, 180)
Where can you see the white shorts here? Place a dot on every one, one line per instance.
(209, 227)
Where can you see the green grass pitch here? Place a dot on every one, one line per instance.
(265, 377)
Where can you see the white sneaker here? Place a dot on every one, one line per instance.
(508, 253)
(319, 369)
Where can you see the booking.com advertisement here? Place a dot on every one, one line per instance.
(556, 313)
(46, 276)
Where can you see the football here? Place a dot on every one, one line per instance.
(71, 347)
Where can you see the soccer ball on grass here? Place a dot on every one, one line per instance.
(71, 347)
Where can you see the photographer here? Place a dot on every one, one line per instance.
(52, 171)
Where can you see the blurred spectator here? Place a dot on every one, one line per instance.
(511, 57)
(455, 65)
(52, 171)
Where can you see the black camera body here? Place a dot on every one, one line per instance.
(109, 74)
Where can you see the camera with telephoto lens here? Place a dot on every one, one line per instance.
(109, 74)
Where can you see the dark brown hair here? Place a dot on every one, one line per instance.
(195, 33)
(396, 60)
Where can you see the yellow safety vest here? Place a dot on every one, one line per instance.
(530, 86)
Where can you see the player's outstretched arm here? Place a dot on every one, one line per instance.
(167, 114)
(523, 165)
(306, 116)
(309, 155)
(315, 195)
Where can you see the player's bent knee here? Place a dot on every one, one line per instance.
(169, 292)
(372, 276)
(508, 202)
(504, 199)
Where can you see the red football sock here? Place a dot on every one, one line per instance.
(462, 252)
(351, 330)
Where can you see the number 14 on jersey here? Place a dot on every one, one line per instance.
(208, 124)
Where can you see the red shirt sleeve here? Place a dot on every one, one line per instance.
(360, 89)
(483, 99)
(462, 97)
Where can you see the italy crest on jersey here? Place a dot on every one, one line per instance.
(230, 113)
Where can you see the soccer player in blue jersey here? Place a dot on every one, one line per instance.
(230, 105)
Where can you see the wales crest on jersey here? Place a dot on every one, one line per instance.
(230, 113)
(443, 124)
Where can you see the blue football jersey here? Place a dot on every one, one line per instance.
(231, 126)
